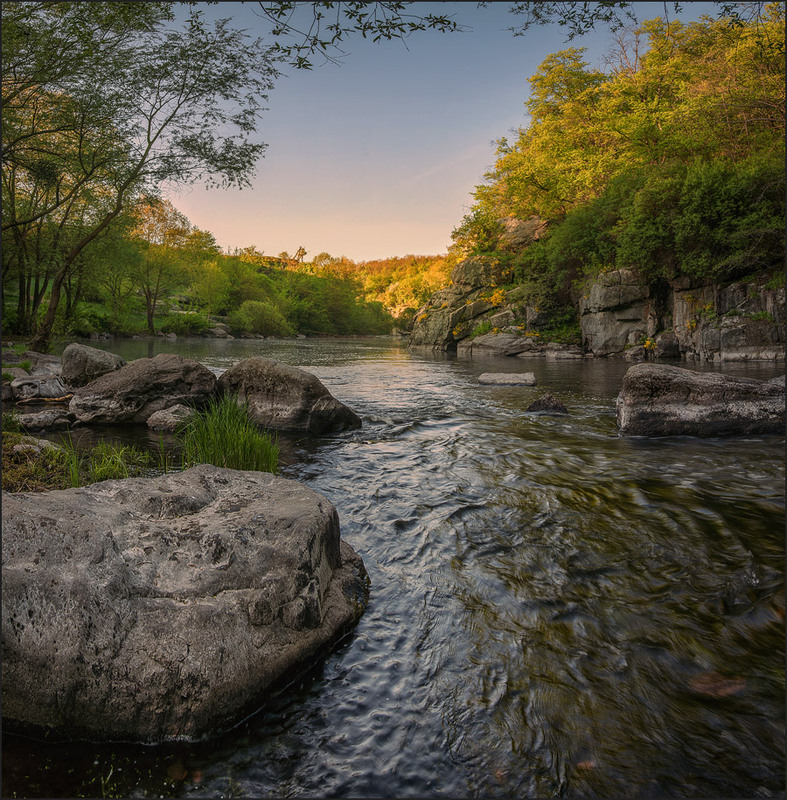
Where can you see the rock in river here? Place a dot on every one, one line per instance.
(154, 609)
(82, 364)
(662, 400)
(508, 378)
(548, 404)
(286, 398)
(142, 387)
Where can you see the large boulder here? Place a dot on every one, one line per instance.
(142, 387)
(286, 398)
(82, 364)
(154, 609)
(662, 400)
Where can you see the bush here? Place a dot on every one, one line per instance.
(184, 324)
(262, 317)
(222, 434)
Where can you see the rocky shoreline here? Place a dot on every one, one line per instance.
(619, 316)
(156, 609)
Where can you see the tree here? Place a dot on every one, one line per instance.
(161, 232)
(179, 104)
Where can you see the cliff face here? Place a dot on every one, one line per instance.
(619, 315)
(735, 322)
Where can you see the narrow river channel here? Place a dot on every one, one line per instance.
(555, 611)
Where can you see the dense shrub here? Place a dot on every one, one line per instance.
(262, 317)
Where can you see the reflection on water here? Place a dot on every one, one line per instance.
(555, 610)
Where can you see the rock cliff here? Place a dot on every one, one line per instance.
(619, 314)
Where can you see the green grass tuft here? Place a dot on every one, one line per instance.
(224, 435)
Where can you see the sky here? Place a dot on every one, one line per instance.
(379, 156)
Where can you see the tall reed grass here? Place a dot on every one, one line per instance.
(224, 435)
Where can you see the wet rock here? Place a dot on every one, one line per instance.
(136, 391)
(82, 364)
(168, 419)
(286, 398)
(38, 387)
(50, 419)
(496, 344)
(508, 378)
(153, 609)
(548, 403)
(663, 400)
(562, 351)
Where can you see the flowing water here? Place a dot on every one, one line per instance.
(555, 610)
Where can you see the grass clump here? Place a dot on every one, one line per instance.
(34, 465)
(107, 461)
(223, 434)
(29, 466)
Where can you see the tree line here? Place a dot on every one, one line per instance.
(105, 105)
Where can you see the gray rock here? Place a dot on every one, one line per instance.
(15, 372)
(168, 419)
(82, 364)
(50, 419)
(286, 398)
(636, 353)
(548, 403)
(497, 344)
(217, 333)
(34, 446)
(508, 378)
(518, 234)
(142, 387)
(562, 351)
(40, 363)
(38, 387)
(478, 272)
(667, 346)
(154, 609)
(662, 400)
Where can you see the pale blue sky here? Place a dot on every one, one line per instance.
(379, 156)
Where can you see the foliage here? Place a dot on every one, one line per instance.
(223, 435)
(261, 317)
(88, 126)
(581, 18)
(481, 329)
(304, 30)
(30, 468)
(670, 163)
(183, 324)
(107, 461)
(35, 468)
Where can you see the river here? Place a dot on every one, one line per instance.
(555, 610)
